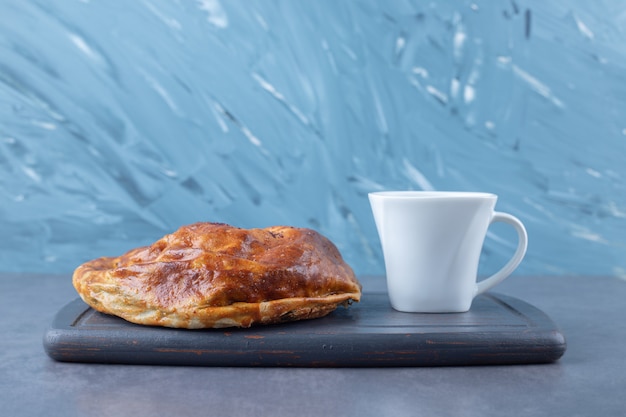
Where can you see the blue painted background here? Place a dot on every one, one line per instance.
(122, 120)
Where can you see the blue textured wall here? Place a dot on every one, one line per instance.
(122, 120)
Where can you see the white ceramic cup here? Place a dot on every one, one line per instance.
(432, 243)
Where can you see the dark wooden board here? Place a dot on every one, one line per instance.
(497, 330)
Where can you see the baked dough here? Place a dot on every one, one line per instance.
(212, 275)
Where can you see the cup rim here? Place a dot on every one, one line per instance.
(431, 194)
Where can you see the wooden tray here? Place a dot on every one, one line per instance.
(497, 330)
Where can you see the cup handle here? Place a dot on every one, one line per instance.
(507, 269)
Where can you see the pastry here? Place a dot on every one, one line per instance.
(212, 275)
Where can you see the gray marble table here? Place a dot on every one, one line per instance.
(590, 379)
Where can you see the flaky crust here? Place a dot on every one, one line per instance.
(212, 275)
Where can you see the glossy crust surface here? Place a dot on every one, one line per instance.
(211, 275)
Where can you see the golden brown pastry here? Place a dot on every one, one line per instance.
(210, 275)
